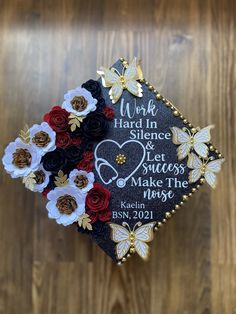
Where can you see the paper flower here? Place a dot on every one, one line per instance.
(82, 180)
(79, 101)
(65, 204)
(20, 159)
(43, 137)
(38, 180)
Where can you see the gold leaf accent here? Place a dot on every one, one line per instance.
(61, 179)
(25, 134)
(30, 181)
(75, 121)
(84, 221)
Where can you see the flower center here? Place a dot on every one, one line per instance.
(21, 158)
(66, 204)
(79, 103)
(120, 159)
(81, 181)
(39, 176)
(41, 139)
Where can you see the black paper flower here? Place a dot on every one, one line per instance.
(73, 154)
(95, 126)
(93, 87)
(54, 161)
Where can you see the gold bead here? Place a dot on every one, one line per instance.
(198, 186)
(181, 116)
(142, 80)
(158, 96)
(202, 180)
(176, 113)
(154, 91)
(155, 228)
(193, 130)
(190, 125)
(146, 83)
(119, 263)
(211, 148)
(216, 151)
(185, 197)
(132, 250)
(181, 203)
(150, 87)
(128, 255)
(177, 206)
(173, 211)
(185, 121)
(122, 59)
(159, 224)
(190, 194)
(168, 215)
(168, 104)
(193, 190)
(163, 99)
(123, 259)
(220, 156)
(164, 220)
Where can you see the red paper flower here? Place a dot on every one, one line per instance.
(104, 215)
(58, 119)
(97, 198)
(76, 140)
(109, 113)
(85, 165)
(45, 192)
(88, 156)
(63, 139)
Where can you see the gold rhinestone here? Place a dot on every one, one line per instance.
(202, 180)
(198, 186)
(128, 255)
(216, 151)
(164, 220)
(120, 159)
(122, 59)
(159, 224)
(181, 116)
(119, 263)
(193, 190)
(211, 148)
(123, 259)
(220, 156)
(176, 113)
(159, 97)
(185, 121)
(190, 194)
(155, 228)
(150, 87)
(185, 197)
(190, 125)
(168, 215)
(154, 91)
(177, 206)
(146, 83)
(142, 80)
(168, 104)
(173, 211)
(132, 250)
(163, 99)
(193, 130)
(181, 203)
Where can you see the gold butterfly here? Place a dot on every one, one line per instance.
(126, 80)
(207, 169)
(132, 240)
(191, 140)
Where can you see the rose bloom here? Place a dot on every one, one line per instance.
(97, 198)
(88, 156)
(63, 139)
(85, 165)
(58, 119)
(109, 113)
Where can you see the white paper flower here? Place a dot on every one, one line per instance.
(79, 101)
(43, 137)
(41, 178)
(82, 180)
(65, 204)
(20, 159)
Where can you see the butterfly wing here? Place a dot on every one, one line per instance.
(201, 137)
(115, 92)
(142, 249)
(195, 163)
(211, 168)
(145, 232)
(183, 139)
(109, 77)
(120, 235)
(131, 76)
(183, 151)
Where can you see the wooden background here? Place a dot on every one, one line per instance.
(188, 53)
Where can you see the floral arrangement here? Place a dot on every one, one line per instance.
(55, 157)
